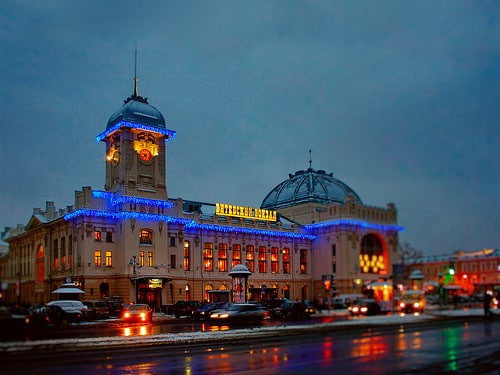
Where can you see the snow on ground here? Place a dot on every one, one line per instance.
(225, 335)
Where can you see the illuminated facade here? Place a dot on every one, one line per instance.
(312, 234)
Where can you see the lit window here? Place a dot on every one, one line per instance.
(208, 257)
(108, 261)
(250, 258)
(286, 260)
(222, 257)
(236, 255)
(141, 258)
(262, 259)
(97, 258)
(150, 259)
(187, 256)
(146, 237)
(303, 261)
(97, 235)
(274, 260)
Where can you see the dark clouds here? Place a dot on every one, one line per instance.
(399, 99)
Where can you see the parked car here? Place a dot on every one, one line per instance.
(412, 301)
(203, 313)
(76, 310)
(185, 308)
(292, 310)
(238, 313)
(49, 316)
(138, 313)
(97, 309)
(367, 306)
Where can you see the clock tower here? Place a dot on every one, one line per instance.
(135, 138)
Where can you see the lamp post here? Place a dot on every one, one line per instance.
(134, 263)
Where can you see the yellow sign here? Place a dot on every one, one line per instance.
(155, 283)
(244, 211)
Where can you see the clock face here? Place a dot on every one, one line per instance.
(145, 155)
(115, 158)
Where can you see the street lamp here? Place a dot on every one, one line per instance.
(134, 263)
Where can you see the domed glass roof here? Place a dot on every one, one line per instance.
(308, 186)
(137, 110)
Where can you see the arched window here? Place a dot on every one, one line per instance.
(40, 264)
(371, 256)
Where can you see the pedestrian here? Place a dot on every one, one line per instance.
(486, 304)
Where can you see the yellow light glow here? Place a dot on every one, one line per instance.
(224, 209)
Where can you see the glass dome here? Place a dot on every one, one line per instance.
(309, 186)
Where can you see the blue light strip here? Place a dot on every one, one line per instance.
(354, 223)
(123, 215)
(169, 134)
(228, 229)
(115, 200)
(188, 223)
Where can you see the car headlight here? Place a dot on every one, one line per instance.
(126, 315)
(364, 309)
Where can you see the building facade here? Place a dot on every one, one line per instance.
(311, 237)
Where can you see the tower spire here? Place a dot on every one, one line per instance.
(136, 80)
(310, 159)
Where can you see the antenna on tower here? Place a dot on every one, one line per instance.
(136, 80)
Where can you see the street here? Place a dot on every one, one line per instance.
(462, 346)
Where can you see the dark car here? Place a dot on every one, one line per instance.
(138, 313)
(97, 309)
(238, 313)
(292, 310)
(365, 307)
(185, 308)
(203, 313)
(50, 316)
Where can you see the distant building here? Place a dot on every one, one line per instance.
(465, 272)
(311, 237)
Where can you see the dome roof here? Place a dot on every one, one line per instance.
(137, 110)
(309, 186)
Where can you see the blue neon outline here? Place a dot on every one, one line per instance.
(170, 134)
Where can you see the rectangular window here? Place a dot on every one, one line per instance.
(250, 258)
(262, 259)
(108, 261)
(172, 241)
(187, 256)
(236, 259)
(141, 258)
(222, 257)
(303, 261)
(286, 260)
(97, 235)
(334, 250)
(208, 257)
(109, 236)
(274, 260)
(173, 263)
(146, 237)
(97, 258)
(56, 255)
(150, 259)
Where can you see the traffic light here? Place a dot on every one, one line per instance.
(451, 270)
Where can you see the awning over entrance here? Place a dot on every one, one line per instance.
(69, 288)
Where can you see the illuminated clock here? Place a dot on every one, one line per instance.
(145, 154)
(115, 158)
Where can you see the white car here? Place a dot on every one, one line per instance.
(75, 309)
